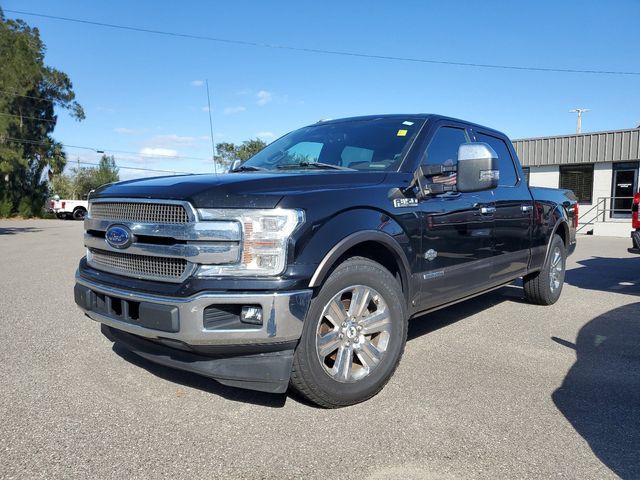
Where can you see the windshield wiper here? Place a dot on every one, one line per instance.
(319, 165)
(247, 168)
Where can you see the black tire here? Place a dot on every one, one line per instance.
(79, 213)
(635, 238)
(538, 287)
(310, 375)
(61, 216)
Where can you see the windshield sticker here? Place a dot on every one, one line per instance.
(402, 133)
(407, 123)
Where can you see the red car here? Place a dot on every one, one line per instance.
(635, 225)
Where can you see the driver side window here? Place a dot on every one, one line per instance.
(443, 148)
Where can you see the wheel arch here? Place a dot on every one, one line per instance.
(561, 228)
(372, 244)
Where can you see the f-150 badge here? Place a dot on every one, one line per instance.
(405, 202)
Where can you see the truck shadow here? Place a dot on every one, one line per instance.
(16, 230)
(620, 275)
(429, 322)
(600, 396)
(417, 328)
(199, 382)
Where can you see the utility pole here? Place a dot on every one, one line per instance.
(579, 111)
(213, 143)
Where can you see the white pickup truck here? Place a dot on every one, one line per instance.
(76, 209)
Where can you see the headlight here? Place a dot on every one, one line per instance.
(265, 235)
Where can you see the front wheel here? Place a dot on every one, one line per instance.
(353, 337)
(544, 287)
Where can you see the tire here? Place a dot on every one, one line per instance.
(544, 287)
(347, 355)
(635, 238)
(79, 213)
(61, 216)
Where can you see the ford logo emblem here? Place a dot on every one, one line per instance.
(118, 236)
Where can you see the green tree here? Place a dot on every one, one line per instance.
(249, 148)
(87, 179)
(29, 93)
(229, 152)
(63, 185)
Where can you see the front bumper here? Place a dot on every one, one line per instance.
(172, 331)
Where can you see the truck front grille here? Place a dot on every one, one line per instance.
(141, 266)
(140, 212)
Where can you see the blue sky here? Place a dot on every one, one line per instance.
(143, 93)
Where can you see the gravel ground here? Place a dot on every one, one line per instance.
(489, 388)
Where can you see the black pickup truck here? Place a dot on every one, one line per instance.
(303, 265)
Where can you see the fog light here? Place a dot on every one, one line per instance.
(251, 314)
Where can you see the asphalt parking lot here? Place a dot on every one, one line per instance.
(489, 388)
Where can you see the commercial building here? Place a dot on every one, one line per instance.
(601, 168)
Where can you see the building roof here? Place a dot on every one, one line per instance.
(595, 147)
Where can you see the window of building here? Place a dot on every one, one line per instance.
(526, 171)
(508, 177)
(579, 179)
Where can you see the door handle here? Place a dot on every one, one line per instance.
(526, 208)
(487, 210)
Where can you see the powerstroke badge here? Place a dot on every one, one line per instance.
(405, 202)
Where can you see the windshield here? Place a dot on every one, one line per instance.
(366, 145)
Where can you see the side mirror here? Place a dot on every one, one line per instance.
(477, 167)
(235, 164)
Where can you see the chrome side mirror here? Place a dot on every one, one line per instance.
(235, 164)
(477, 168)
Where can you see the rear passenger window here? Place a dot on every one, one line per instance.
(508, 177)
(443, 148)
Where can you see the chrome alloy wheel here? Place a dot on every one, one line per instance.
(555, 270)
(353, 333)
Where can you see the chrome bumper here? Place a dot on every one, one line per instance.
(283, 315)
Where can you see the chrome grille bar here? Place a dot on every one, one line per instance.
(168, 239)
(167, 213)
(140, 266)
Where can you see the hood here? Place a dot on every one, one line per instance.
(237, 190)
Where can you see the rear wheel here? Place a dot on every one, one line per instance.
(79, 213)
(544, 287)
(635, 238)
(353, 336)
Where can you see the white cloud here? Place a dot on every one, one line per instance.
(159, 152)
(265, 135)
(264, 97)
(197, 83)
(130, 131)
(232, 110)
(245, 91)
(171, 140)
(205, 109)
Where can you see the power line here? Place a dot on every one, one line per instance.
(103, 150)
(322, 51)
(14, 94)
(32, 142)
(136, 168)
(27, 118)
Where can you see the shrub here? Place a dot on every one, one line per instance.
(5, 208)
(30, 207)
(24, 208)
